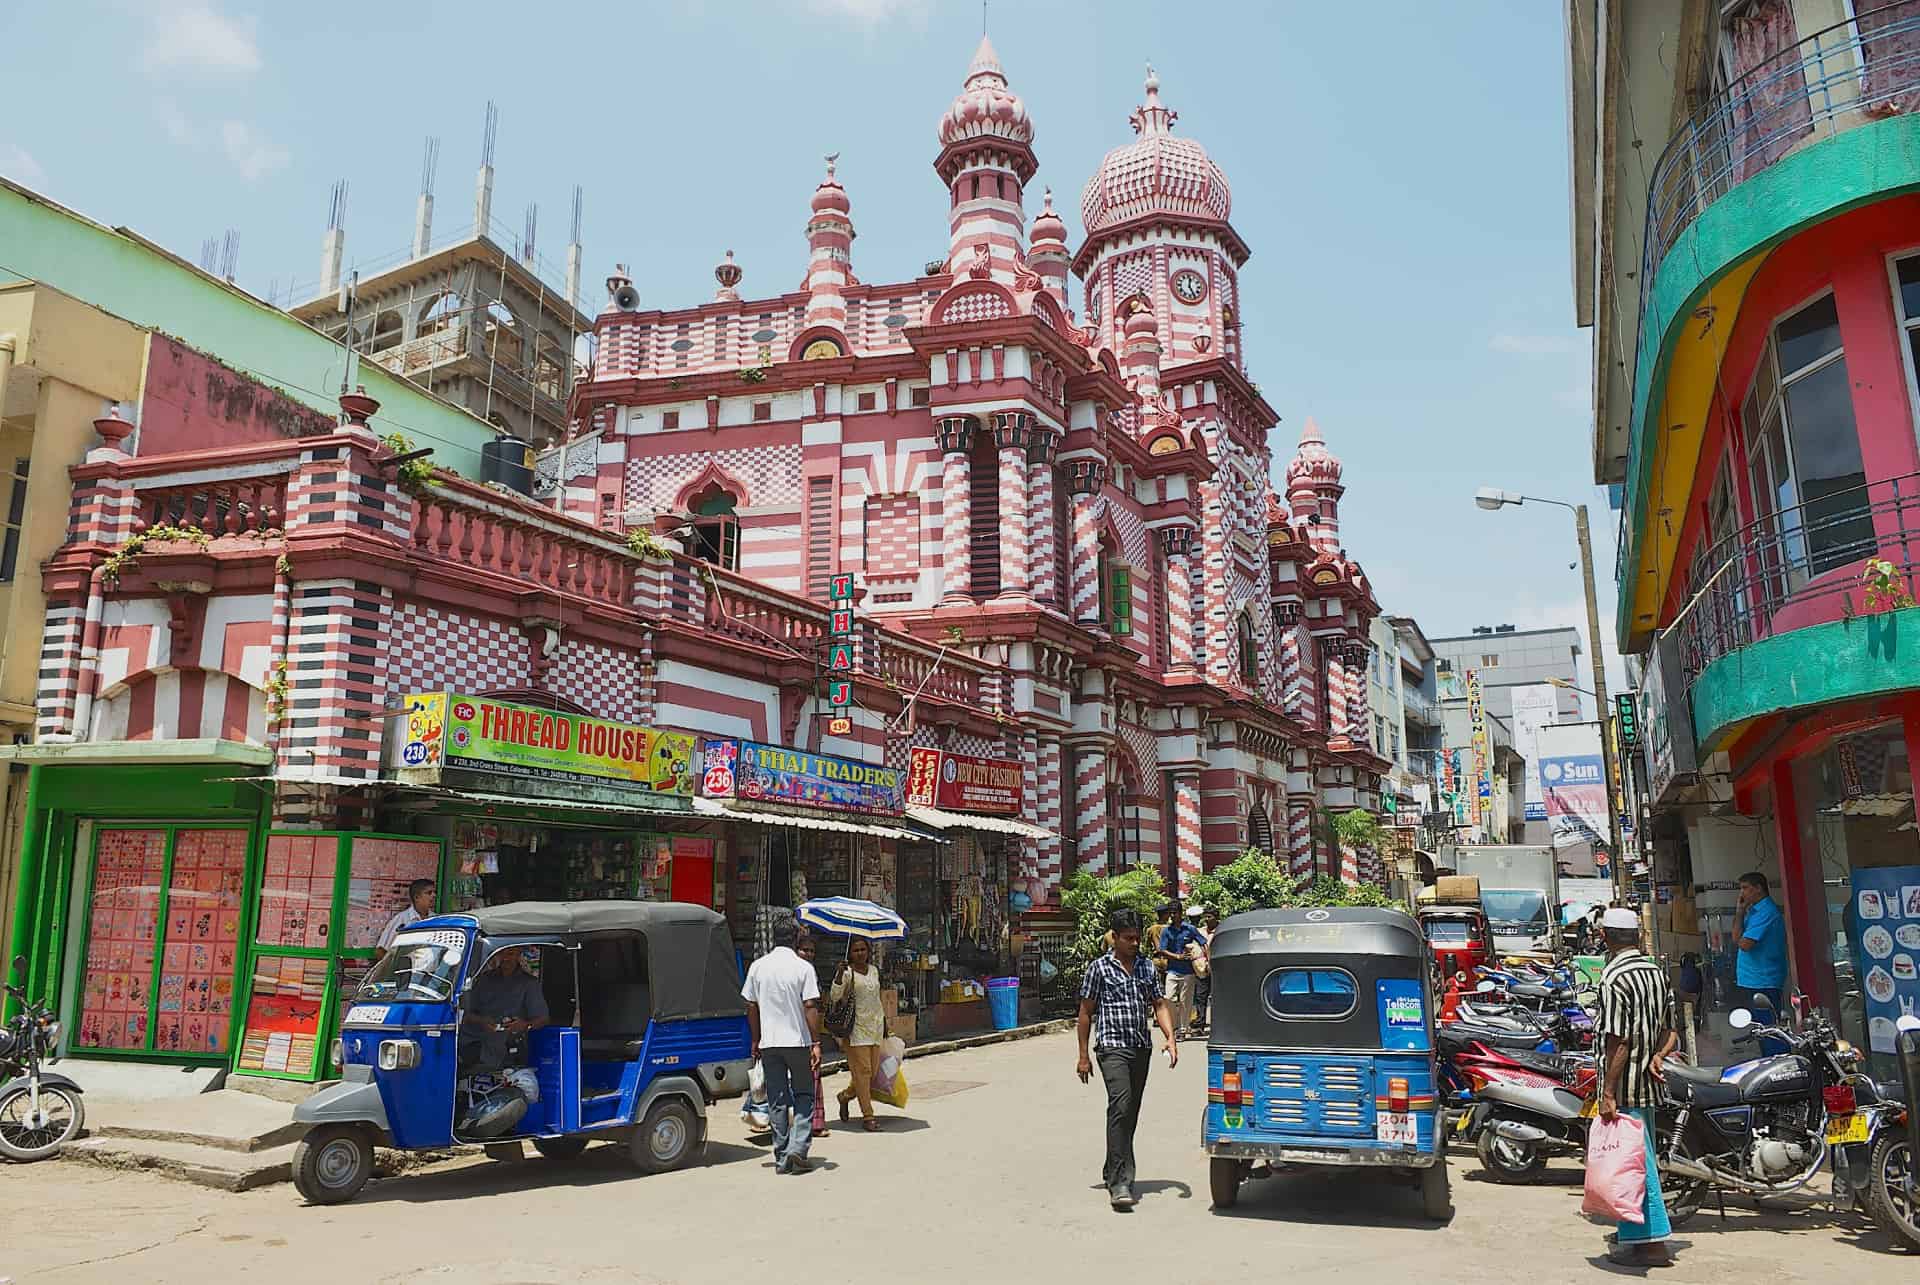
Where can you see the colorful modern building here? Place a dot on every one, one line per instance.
(1747, 252)
(923, 591)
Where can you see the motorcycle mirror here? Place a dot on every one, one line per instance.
(1761, 1001)
(1739, 1019)
(1486, 987)
(1907, 1022)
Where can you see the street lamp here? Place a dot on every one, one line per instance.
(1492, 498)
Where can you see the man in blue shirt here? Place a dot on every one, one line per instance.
(1177, 940)
(1761, 967)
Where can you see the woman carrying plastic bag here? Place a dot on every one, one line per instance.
(889, 1080)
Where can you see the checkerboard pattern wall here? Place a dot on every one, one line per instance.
(436, 648)
(892, 535)
(771, 475)
(604, 680)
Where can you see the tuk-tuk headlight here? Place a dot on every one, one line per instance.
(399, 1055)
(337, 1051)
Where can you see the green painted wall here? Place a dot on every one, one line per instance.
(1825, 664)
(1865, 164)
(120, 274)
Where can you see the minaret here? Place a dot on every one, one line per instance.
(1049, 258)
(830, 264)
(986, 159)
(1314, 489)
(1141, 359)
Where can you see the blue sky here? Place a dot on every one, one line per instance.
(1401, 177)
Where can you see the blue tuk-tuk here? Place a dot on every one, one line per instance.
(646, 1029)
(1321, 1050)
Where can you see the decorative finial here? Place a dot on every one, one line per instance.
(1153, 80)
(833, 159)
(1048, 197)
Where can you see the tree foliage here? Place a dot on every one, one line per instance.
(1092, 901)
(1256, 882)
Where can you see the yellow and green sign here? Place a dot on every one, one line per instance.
(478, 733)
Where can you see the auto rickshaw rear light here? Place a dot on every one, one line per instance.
(1397, 1095)
(337, 1051)
(399, 1055)
(1840, 1099)
(1230, 1092)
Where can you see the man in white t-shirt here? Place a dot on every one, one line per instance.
(783, 1008)
(420, 895)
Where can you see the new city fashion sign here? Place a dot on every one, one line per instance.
(756, 773)
(478, 733)
(965, 783)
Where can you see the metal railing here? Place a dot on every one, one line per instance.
(1847, 75)
(1807, 554)
(1419, 708)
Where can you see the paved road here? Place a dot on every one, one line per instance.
(990, 1176)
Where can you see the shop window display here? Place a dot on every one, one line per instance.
(1862, 856)
(501, 861)
(163, 936)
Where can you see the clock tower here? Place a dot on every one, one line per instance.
(1157, 234)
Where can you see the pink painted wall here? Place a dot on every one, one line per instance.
(192, 402)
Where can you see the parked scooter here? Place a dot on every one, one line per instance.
(1872, 1161)
(40, 1111)
(1522, 1115)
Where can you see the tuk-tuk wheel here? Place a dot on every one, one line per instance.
(1436, 1188)
(669, 1138)
(1223, 1176)
(560, 1148)
(332, 1163)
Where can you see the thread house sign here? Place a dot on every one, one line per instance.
(452, 731)
(964, 782)
(756, 773)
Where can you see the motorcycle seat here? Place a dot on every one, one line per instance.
(1700, 1085)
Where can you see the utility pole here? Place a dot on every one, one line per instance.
(1604, 709)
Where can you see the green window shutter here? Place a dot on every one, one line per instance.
(1120, 598)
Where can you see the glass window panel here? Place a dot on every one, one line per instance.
(1909, 272)
(1808, 334)
(1827, 464)
(1310, 992)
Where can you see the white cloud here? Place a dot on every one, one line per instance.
(871, 13)
(251, 152)
(195, 36)
(17, 163)
(174, 121)
(1534, 345)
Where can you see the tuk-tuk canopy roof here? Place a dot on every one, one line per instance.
(1327, 930)
(691, 967)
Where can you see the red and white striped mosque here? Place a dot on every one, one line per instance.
(1079, 501)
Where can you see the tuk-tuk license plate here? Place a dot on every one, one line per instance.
(1397, 1127)
(1590, 1108)
(1851, 1127)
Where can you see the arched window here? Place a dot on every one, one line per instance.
(1260, 830)
(1247, 646)
(716, 531)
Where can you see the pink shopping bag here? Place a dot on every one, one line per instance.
(1616, 1170)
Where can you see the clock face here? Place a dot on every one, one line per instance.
(1189, 286)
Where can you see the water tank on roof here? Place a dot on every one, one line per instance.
(508, 461)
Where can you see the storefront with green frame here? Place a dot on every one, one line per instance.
(139, 872)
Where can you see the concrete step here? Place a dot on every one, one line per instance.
(220, 1121)
(217, 1167)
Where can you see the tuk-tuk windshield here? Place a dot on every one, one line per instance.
(1447, 932)
(419, 968)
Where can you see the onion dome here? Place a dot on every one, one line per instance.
(1049, 227)
(1157, 173)
(830, 195)
(986, 108)
(1313, 462)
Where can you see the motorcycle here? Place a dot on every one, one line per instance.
(1522, 1114)
(1872, 1161)
(1760, 1128)
(40, 1111)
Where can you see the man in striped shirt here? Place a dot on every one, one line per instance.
(1636, 1021)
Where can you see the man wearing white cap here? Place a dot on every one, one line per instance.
(1637, 1023)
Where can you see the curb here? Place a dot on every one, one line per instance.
(935, 1047)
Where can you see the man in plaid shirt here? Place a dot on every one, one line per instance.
(1118, 996)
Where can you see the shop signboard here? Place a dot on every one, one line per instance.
(755, 773)
(1666, 729)
(965, 782)
(1573, 779)
(462, 733)
(1535, 705)
(1885, 927)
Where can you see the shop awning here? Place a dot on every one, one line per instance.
(193, 750)
(941, 819)
(540, 804)
(715, 808)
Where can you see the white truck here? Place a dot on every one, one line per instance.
(1520, 891)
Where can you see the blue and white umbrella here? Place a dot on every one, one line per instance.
(851, 917)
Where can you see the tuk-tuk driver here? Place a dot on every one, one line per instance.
(505, 1003)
